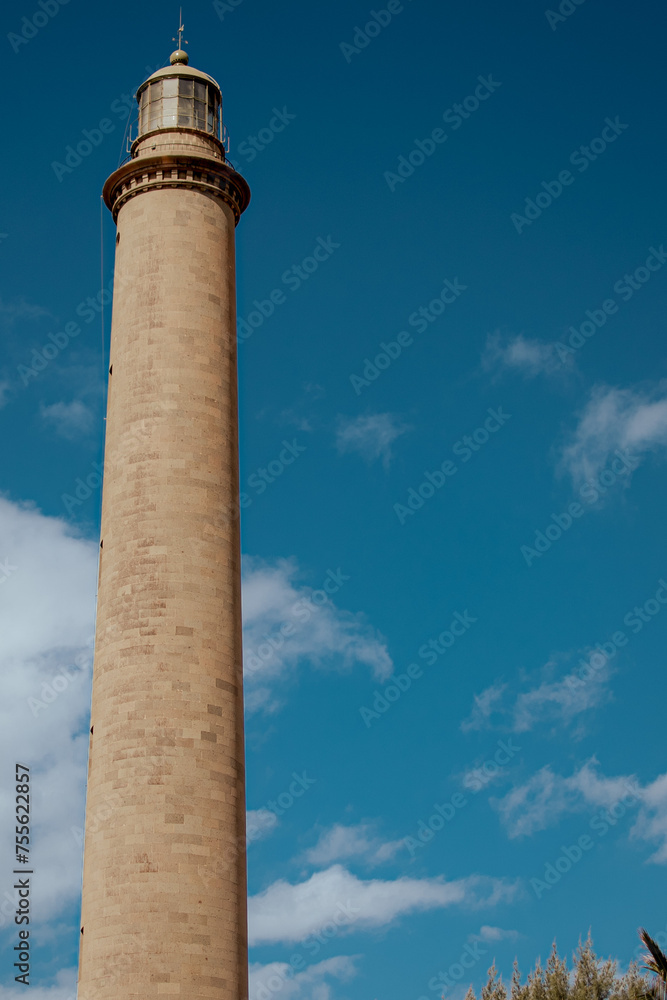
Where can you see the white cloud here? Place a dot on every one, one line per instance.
(493, 934)
(312, 983)
(545, 797)
(651, 824)
(10, 312)
(288, 913)
(339, 843)
(534, 805)
(64, 988)
(260, 823)
(371, 436)
(70, 420)
(627, 420)
(529, 357)
(47, 608)
(553, 701)
(561, 700)
(285, 625)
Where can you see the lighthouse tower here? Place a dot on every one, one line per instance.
(164, 880)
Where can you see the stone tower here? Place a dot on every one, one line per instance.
(164, 880)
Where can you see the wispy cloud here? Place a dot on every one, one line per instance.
(260, 823)
(370, 436)
(5, 388)
(69, 420)
(287, 913)
(561, 701)
(303, 413)
(630, 420)
(554, 701)
(313, 983)
(652, 822)
(287, 625)
(541, 801)
(10, 312)
(536, 804)
(484, 707)
(528, 357)
(340, 843)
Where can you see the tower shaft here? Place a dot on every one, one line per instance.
(164, 884)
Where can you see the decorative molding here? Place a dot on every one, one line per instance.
(203, 173)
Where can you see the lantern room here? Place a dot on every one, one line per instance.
(180, 97)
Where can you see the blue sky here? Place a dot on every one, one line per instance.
(462, 509)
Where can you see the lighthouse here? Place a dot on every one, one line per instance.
(164, 878)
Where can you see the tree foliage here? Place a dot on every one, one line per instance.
(656, 962)
(589, 978)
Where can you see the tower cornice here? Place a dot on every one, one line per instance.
(189, 170)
